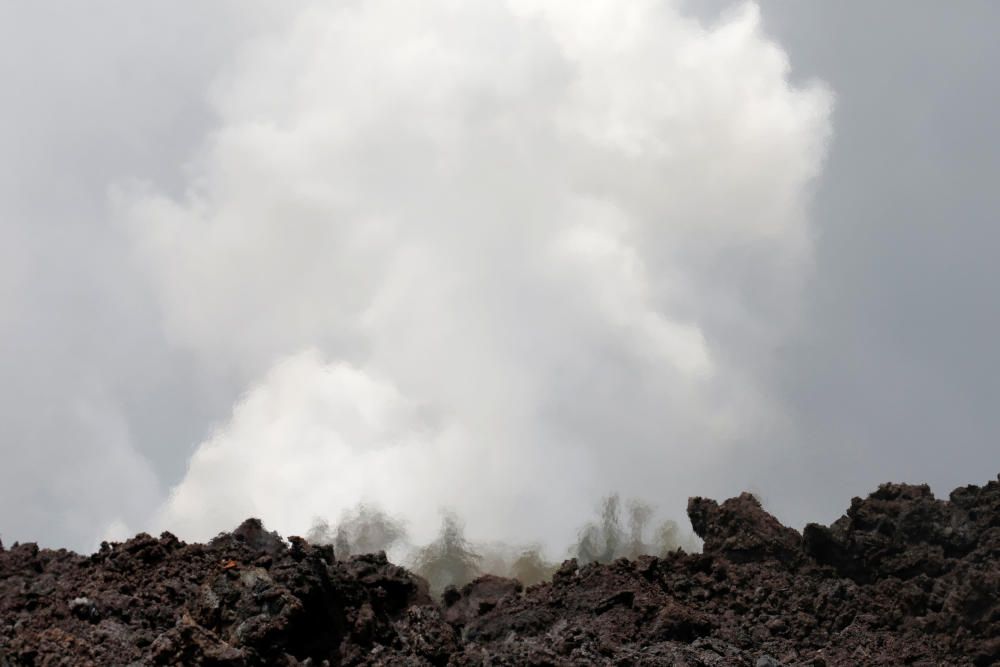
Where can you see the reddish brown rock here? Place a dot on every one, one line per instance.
(741, 531)
(902, 578)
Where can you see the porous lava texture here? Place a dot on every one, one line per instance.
(902, 578)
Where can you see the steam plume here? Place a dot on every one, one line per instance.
(503, 257)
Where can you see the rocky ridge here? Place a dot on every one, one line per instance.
(902, 578)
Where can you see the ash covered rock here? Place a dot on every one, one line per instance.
(902, 578)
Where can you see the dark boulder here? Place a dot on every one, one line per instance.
(741, 531)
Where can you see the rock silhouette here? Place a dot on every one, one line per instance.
(902, 578)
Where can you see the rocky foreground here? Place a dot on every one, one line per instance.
(902, 578)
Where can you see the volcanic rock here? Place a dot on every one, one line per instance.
(902, 578)
(741, 531)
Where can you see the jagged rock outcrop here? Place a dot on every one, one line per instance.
(902, 578)
(741, 531)
(246, 598)
(902, 531)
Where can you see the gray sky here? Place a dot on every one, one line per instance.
(416, 253)
(893, 374)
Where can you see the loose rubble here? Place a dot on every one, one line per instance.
(902, 579)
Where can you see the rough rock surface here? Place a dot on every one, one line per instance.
(902, 578)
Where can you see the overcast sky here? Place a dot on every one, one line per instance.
(503, 257)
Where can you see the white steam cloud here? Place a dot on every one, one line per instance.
(500, 256)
